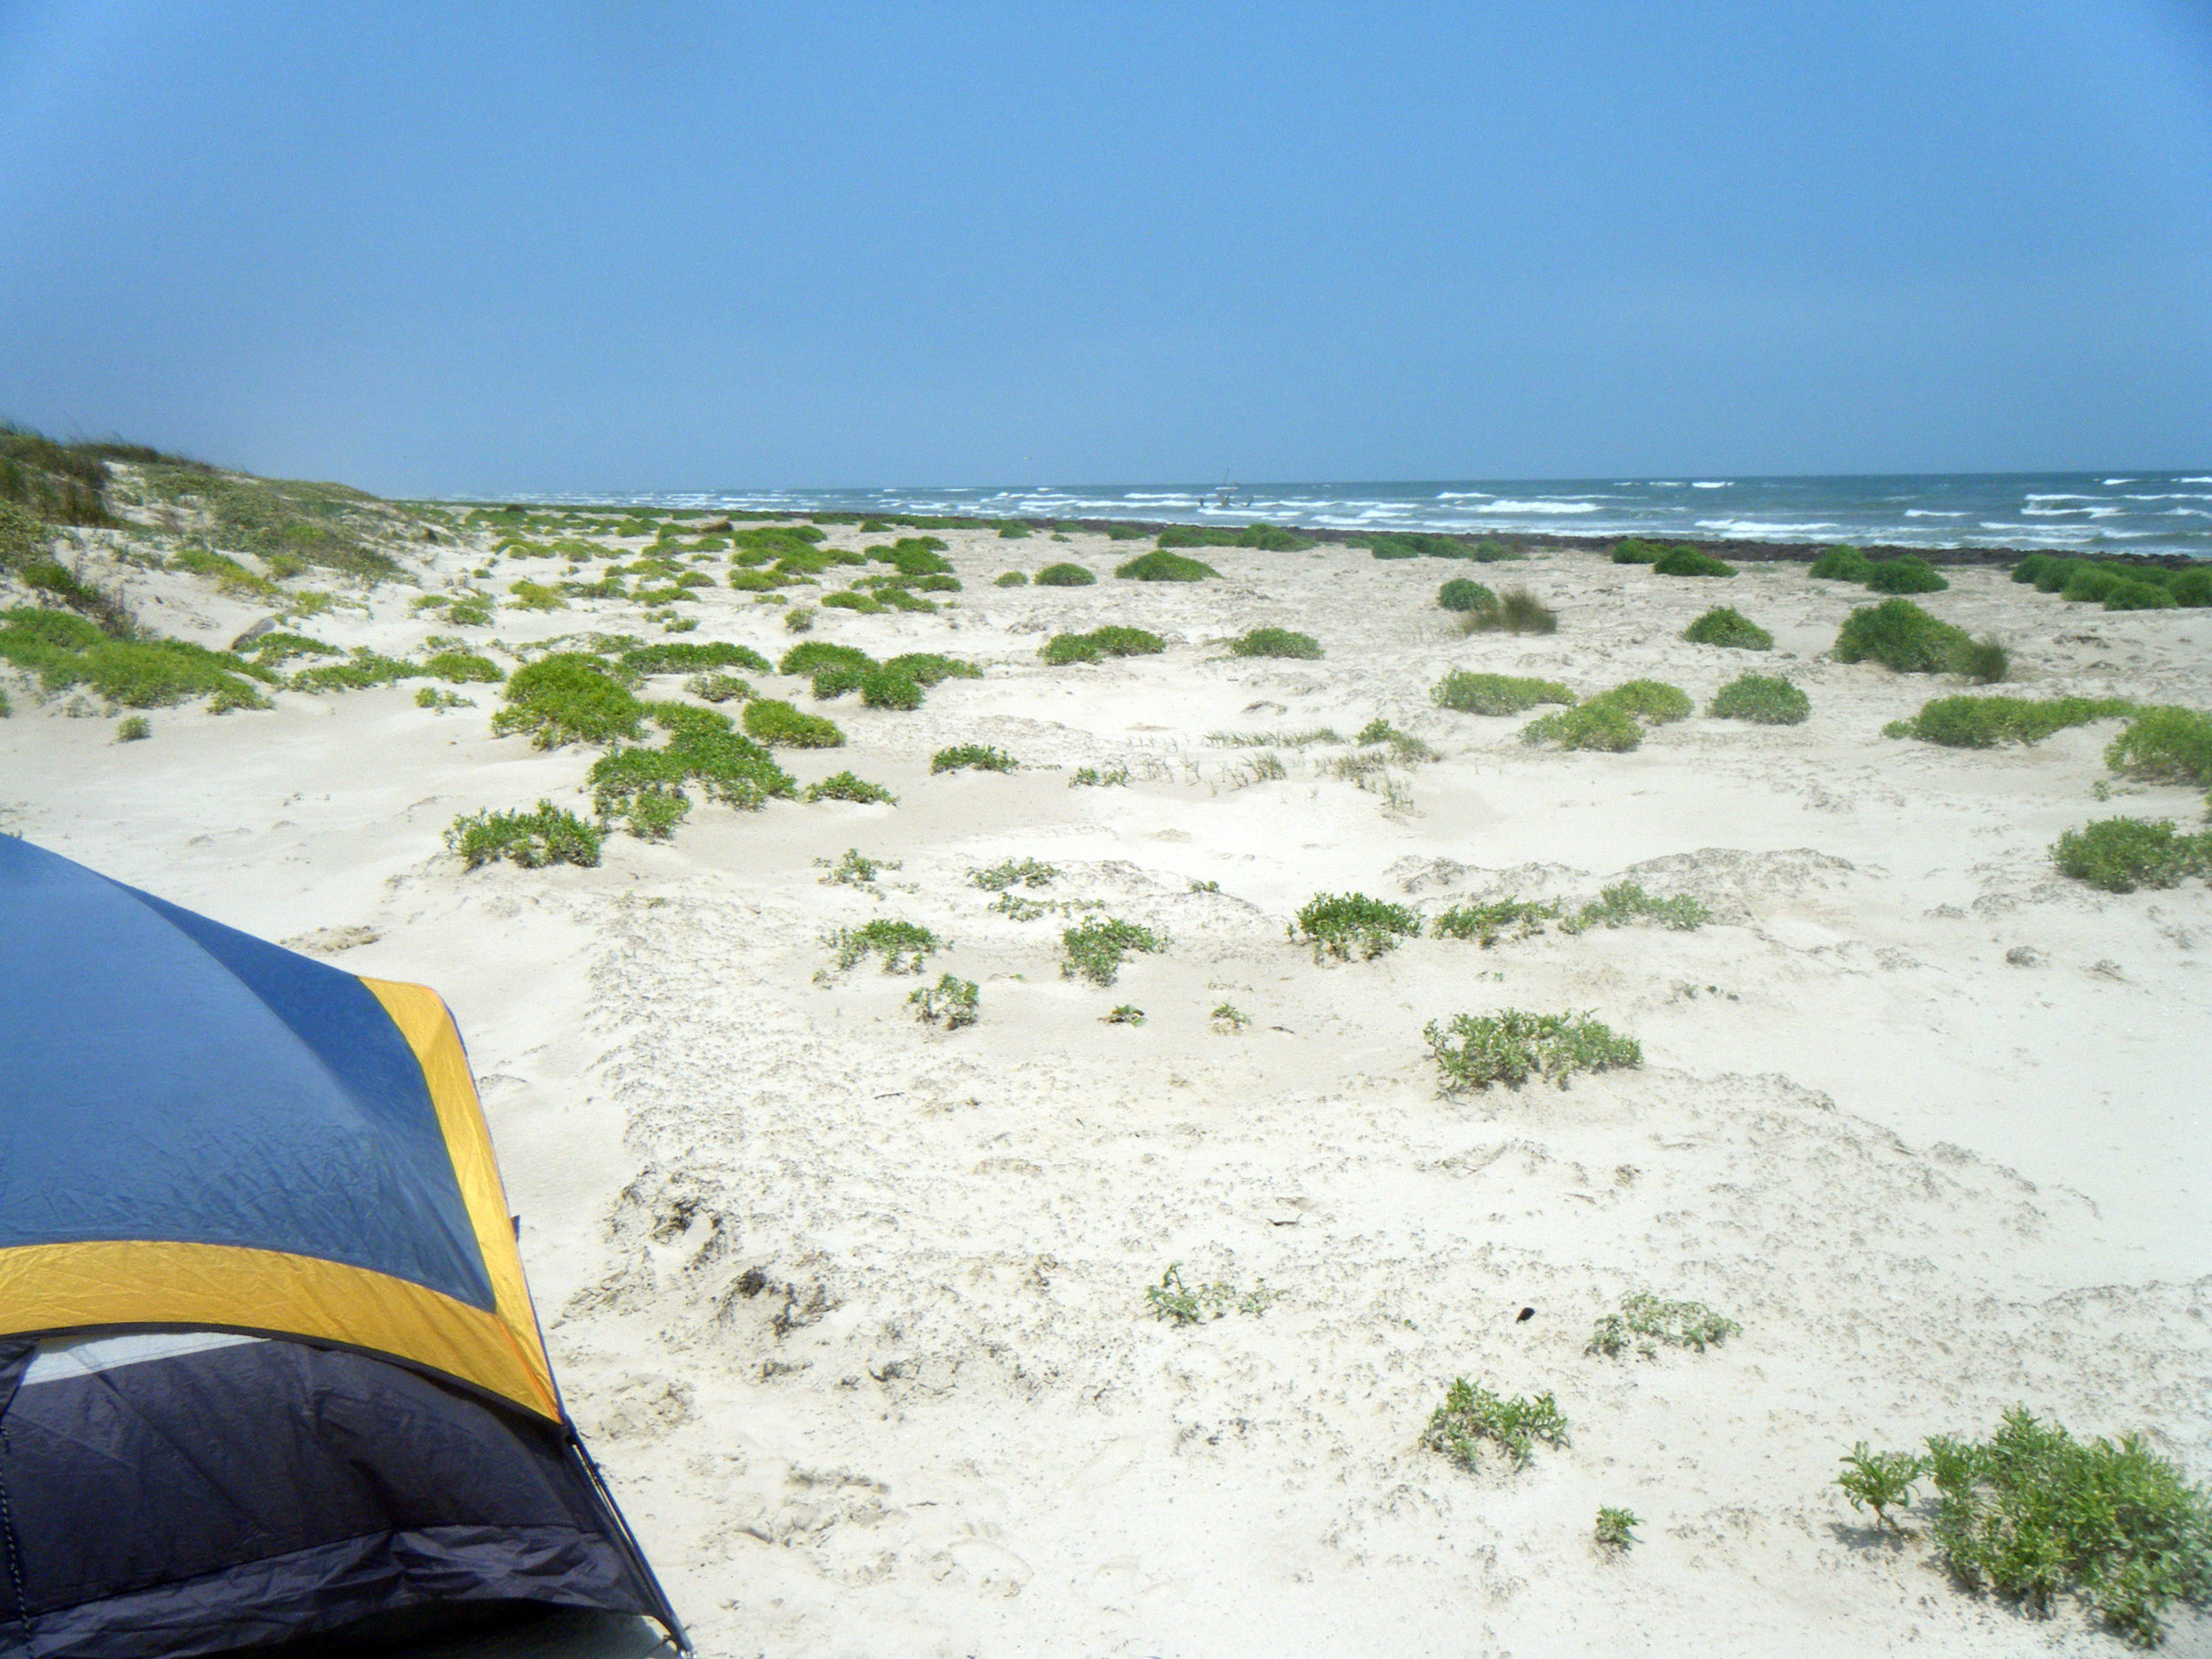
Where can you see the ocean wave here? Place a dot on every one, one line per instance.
(1461, 495)
(1712, 483)
(1930, 512)
(2193, 481)
(1763, 528)
(1538, 506)
(2111, 483)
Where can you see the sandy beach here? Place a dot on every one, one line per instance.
(853, 1309)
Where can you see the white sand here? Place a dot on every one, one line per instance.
(1931, 1184)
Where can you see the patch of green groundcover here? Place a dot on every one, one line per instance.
(1725, 625)
(2165, 745)
(1063, 576)
(1165, 567)
(549, 835)
(1841, 564)
(1464, 595)
(1984, 722)
(67, 652)
(1469, 693)
(1900, 636)
(1276, 642)
(1612, 720)
(1111, 641)
(2122, 853)
(1342, 925)
(1410, 544)
(1905, 574)
(1268, 538)
(1510, 1047)
(1761, 700)
(644, 786)
(569, 697)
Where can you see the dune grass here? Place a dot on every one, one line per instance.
(844, 786)
(1111, 641)
(1517, 612)
(66, 652)
(1469, 693)
(1473, 1051)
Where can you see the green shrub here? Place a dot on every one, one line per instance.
(1599, 723)
(1635, 550)
(1616, 1529)
(1111, 641)
(1900, 636)
(65, 652)
(1012, 531)
(830, 683)
(1841, 564)
(717, 688)
(1127, 533)
(927, 668)
(2165, 745)
(1907, 573)
(643, 786)
(1409, 544)
(1984, 722)
(676, 656)
(1688, 561)
(1725, 625)
(463, 668)
(885, 687)
(2123, 854)
(1983, 661)
(568, 698)
(361, 671)
(1879, 1481)
(799, 620)
(1650, 700)
(1276, 642)
(1472, 1414)
(2089, 584)
(903, 945)
(1487, 924)
(228, 573)
(1092, 778)
(1626, 901)
(2029, 569)
(1761, 699)
(551, 836)
(1517, 612)
(1338, 924)
(1471, 693)
(972, 757)
(132, 728)
(1645, 1323)
(1164, 568)
(1464, 595)
(529, 596)
(1027, 872)
(1510, 1047)
(953, 1001)
(2126, 595)
(1095, 949)
(1267, 537)
(1065, 576)
(845, 787)
(805, 659)
(779, 725)
(1016, 579)
(851, 602)
(2192, 587)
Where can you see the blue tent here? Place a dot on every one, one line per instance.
(268, 1365)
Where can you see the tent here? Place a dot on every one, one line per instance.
(268, 1365)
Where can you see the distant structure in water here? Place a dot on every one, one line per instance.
(1225, 492)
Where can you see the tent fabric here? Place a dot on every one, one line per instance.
(273, 1489)
(268, 1362)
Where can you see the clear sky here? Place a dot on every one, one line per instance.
(462, 248)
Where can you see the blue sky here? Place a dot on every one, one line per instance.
(474, 249)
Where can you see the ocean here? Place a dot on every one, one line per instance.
(2135, 512)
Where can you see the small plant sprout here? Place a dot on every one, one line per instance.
(951, 1002)
(1616, 1528)
(1879, 1481)
(903, 945)
(1095, 949)
(855, 869)
(1510, 1047)
(1027, 872)
(799, 620)
(431, 697)
(972, 757)
(1472, 1414)
(1338, 924)
(1125, 1014)
(1645, 1322)
(1094, 778)
(1193, 1304)
(1229, 1019)
(1205, 887)
(132, 728)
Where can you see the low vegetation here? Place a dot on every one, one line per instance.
(1028, 872)
(1473, 1051)
(132, 728)
(1096, 951)
(1472, 1414)
(2165, 745)
(1984, 722)
(1180, 1303)
(2122, 853)
(1762, 700)
(1725, 625)
(1096, 778)
(1906, 574)
(569, 697)
(68, 652)
(1462, 595)
(1517, 612)
(952, 1002)
(1064, 575)
(1268, 538)
(2034, 1515)
(1470, 693)
(1276, 642)
(844, 786)
(1647, 1323)
(1616, 1529)
(972, 757)
(1900, 636)
(903, 945)
(1410, 544)
(1010, 579)
(1165, 567)
(780, 725)
(645, 787)
(549, 835)
(1342, 925)
(1688, 561)
(1622, 904)
(1841, 564)
(2117, 587)
(678, 657)
(1065, 648)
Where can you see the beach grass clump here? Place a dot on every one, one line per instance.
(1626, 901)
(1110, 640)
(1276, 642)
(1906, 574)
(1601, 725)
(2120, 855)
(2165, 745)
(1469, 693)
(1487, 924)
(1099, 778)
(972, 757)
(549, 835)
(525, 595)
(1165, 567)
(1341, 925)
(810, 657)
(1517, 612)
(1635, 550)
(1900, 636)
(1651, 701)
(1510, 1047)
(1725, 625)
(1842, 563)
(1760, 699)
(1471, 1414)
(1647, 1324)
(1462, 596)
(569, 697)
(844, 785)
(1096, 949)
(903, 945)
(2034, 1515)
(798, 620)
(2140, 596)
(132, 728)
(952, 1001)
(1064, 575)
(1011, 579)
(1984, 722)
(780, 725)
(66, 651)
(1688, 561)
(463, 668)
(861, 603)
